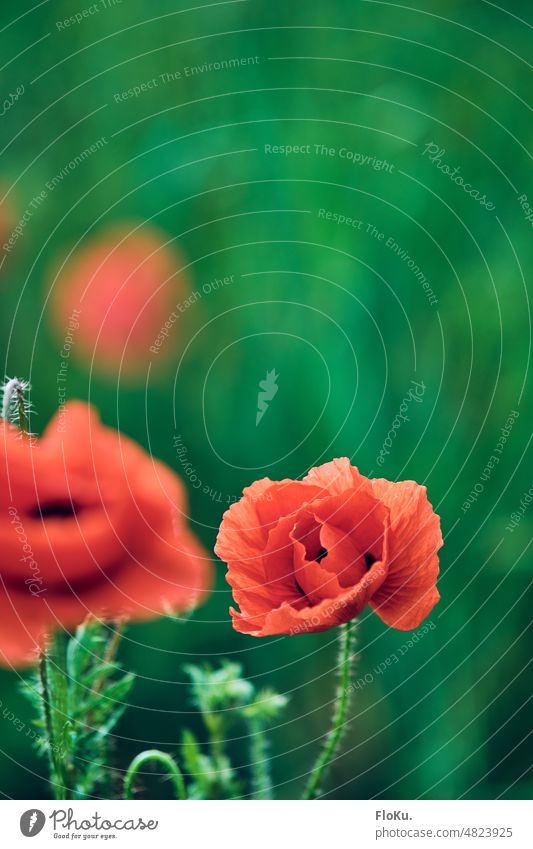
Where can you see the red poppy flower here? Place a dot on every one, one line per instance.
(91, 524)
(113, 297)
(308, 555)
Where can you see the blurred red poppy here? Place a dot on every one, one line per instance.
(92, 524)
(309, 555)
(118, 290)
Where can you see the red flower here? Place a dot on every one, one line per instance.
(91, 524)
(114, 296)
(308, 555)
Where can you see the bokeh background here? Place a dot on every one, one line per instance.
(342, 317)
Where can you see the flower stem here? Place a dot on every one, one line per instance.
(261, 778)
(112, 646)
(53, 674)
(342, 701)
(166, 761)
(216, 736)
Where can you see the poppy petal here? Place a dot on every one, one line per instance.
(409, 593)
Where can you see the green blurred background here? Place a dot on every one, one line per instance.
(339, 315)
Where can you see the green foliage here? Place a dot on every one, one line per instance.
(200, 767)
(264, 708)
(79, 694)
(224, 699)
(219, 689)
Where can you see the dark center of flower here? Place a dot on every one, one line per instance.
(55, 510)
(321, 554)
(369, 560)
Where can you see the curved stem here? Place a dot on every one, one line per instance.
(166, 761)
(342, 700)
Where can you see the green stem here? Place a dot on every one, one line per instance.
(216, 736)
(166, 761)
(112, 646)
(342, 700)
(107, 741)
(260, 766)
(215, 727)
(53, 674)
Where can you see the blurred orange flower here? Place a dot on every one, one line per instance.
(308, 555)
(120, 287)
(91, 524)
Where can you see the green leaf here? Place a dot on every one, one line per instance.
(86, 689)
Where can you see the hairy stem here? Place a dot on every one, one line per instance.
(112, 646)
(52, 670)
(261, 779)
(342, 700)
